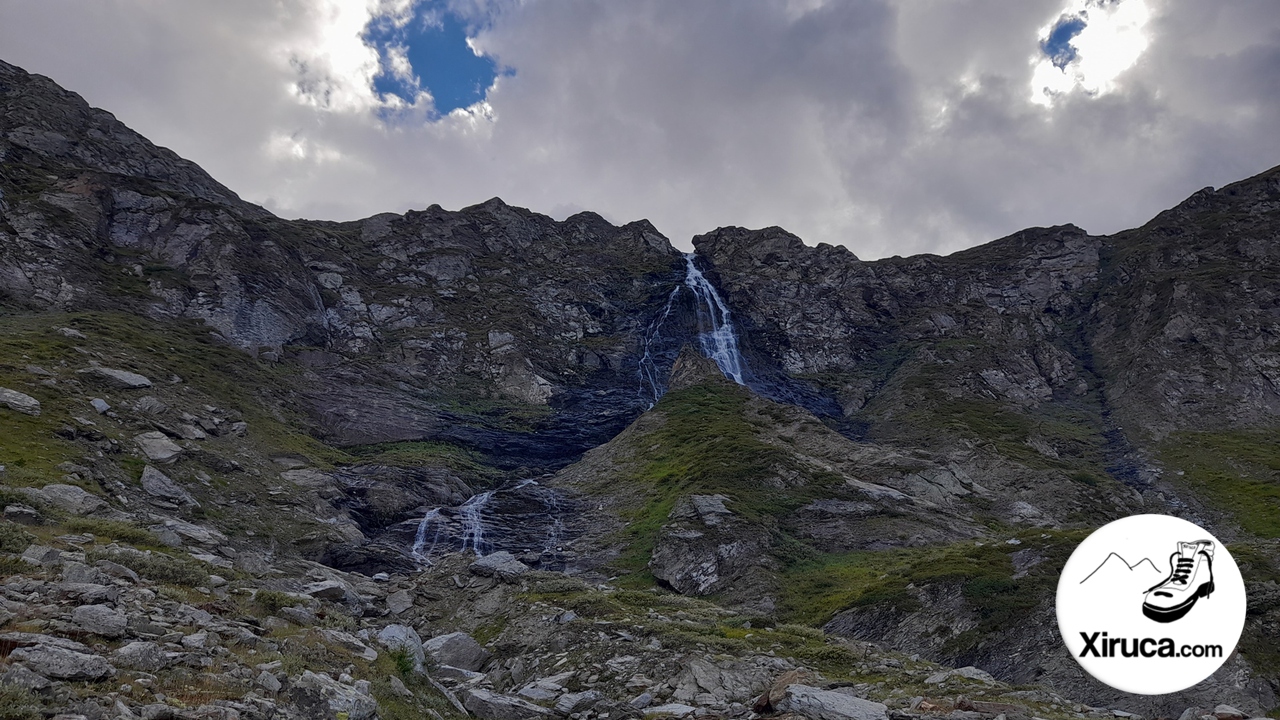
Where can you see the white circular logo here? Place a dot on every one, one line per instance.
(1151, 604)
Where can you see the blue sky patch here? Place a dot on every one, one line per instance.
(441, 62)
(1057, 47)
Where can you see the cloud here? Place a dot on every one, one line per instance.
(891, 127)
(1088, 47)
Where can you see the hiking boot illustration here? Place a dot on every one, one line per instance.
(1190, 578)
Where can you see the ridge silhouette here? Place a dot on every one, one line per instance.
(1126, 564)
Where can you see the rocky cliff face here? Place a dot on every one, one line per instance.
(916, 445)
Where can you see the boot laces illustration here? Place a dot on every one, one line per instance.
(1190, 578)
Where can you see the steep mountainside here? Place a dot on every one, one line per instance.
(706, 479)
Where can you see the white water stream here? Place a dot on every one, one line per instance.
(717, 338)
(716, 335)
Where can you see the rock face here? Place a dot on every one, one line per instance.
(705, 548)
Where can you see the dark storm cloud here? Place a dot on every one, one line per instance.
(890, 127)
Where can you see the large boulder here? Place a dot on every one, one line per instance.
(19, 402)
(342, 700)
(190, 532)
(492, 706)
(348, 642)
(72, 499)
(570, 703)
(817, 704)
(100, 620)
(61, 663)
(502, 565)
(158, 447)
(159, 485)
(458, 650)
(144, 656)
(399, 601)
(968, 672)
(118, 378)
(406, 639)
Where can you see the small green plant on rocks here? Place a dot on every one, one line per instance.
(14, 539)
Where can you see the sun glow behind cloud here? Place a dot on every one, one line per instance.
(385, 56)
(1087, 47)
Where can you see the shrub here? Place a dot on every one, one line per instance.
(112, 529)
(158, 567)
(18, 704)
(403, 661)
(14, 539)
(272, 600)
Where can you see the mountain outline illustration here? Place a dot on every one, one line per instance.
(1128, 566)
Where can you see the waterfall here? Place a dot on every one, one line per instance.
(432, 518)
(490, 521)
(649, 374)
(557, 524)
(469, 514)
(716, 335)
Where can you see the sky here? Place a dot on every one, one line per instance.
(890, 127)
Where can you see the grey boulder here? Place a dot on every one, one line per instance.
(100, 620)
(144, 656)
(406, 639)
(72, 499)
(492, 706)
(157, 484)
(502, 565)
(817, 704)
(399, 602)
(158, 447)
(118, 378)
(342, 699)
(61, 663)
(19, 402)
(458, 650)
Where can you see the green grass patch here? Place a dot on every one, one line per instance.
(13, 539)
(18, 703)
(113, 530)
(158, 567)
(817, 590)
(273, 601)
(706, 444)
(419, 454)
(1237, 472)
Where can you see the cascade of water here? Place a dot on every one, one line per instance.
(420, 550)
(648, 367)
(715, 328)
(470, 514)
(557, 524)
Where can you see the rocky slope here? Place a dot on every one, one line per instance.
(191, 387)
